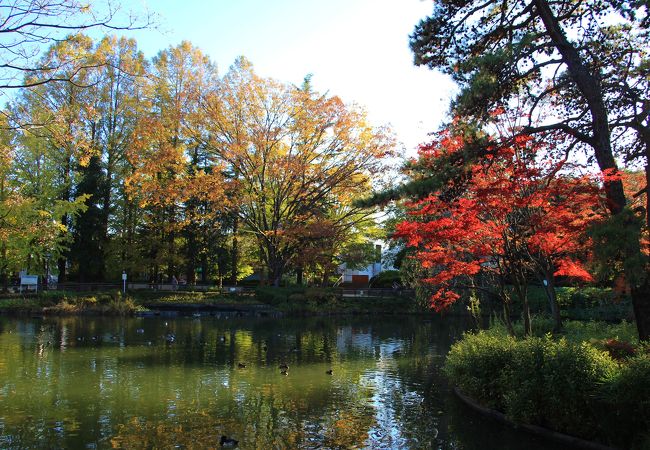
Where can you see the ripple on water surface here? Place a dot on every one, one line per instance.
(178, 382)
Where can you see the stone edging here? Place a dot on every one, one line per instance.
(565, 439)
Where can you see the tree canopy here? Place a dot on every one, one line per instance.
(164, 168)
(578, 71)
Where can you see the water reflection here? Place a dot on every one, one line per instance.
(177, 382)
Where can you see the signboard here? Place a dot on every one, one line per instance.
(28, 280)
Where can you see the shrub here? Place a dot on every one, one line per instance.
(298, 298)
(321, 296)
(569, 387)
(594, 331)
(619, 349)
(122, 307)
(627, 403)
(584, 297)
(275, 295)
(386, 279)
(588, 303)
(555, 383)
(476, 363)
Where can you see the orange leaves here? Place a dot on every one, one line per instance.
(512, 212)
(299, 158)
(572, 269)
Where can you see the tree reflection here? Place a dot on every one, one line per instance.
(160, 383)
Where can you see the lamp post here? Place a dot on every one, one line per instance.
(124, 282)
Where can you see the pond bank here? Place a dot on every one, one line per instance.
(550, 435)
(302, 302)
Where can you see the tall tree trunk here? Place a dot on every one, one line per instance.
(548, 283)
(276, 270)
(589, 86)
(521, 288)
(299, 275)
(506, 316)
(204, 268)
(65, 221)
(549, 288)
(234, 254)
(4, 276)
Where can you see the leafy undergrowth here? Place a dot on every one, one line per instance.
(112, 302)
(301, 300)
(591, 382)
(106, 303)
(193, 298)
(90, 305)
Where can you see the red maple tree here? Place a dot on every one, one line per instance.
(508, 215)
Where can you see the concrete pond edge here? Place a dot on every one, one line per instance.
(551, 435)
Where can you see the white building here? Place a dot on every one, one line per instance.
(361, 277)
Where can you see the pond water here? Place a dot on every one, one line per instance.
(85, 382)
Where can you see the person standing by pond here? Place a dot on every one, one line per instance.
(174, 283)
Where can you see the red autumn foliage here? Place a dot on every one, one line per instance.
(509, 210)
(619, 349)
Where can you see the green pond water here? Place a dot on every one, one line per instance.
(86, 382)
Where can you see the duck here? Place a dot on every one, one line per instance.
(283, 367)
(329, 371)
(227, 442)
(241, 365)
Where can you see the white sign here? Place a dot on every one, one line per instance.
(28, 280)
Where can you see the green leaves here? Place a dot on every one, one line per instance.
(614, 239)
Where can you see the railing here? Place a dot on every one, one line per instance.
(169, 287)
(376, 292)
(84, 287)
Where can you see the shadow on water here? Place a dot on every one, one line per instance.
(177, 382)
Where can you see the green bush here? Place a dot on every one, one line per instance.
(594, 331)
(321, 296)
(584, 297)
(627, 402)
(20, 304)
(386, 279)
(554, 384)
(476, 363)
(593, 303)
(276, 295)
(298, 298)
(574, 388)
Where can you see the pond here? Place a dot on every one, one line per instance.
(92, 382)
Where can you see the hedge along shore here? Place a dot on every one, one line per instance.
(569, 385)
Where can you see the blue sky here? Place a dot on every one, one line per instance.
(356, 49)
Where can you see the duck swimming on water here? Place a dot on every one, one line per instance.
(227, 442)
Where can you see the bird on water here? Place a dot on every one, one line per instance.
(227, 442)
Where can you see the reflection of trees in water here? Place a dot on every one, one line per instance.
(119, 381)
